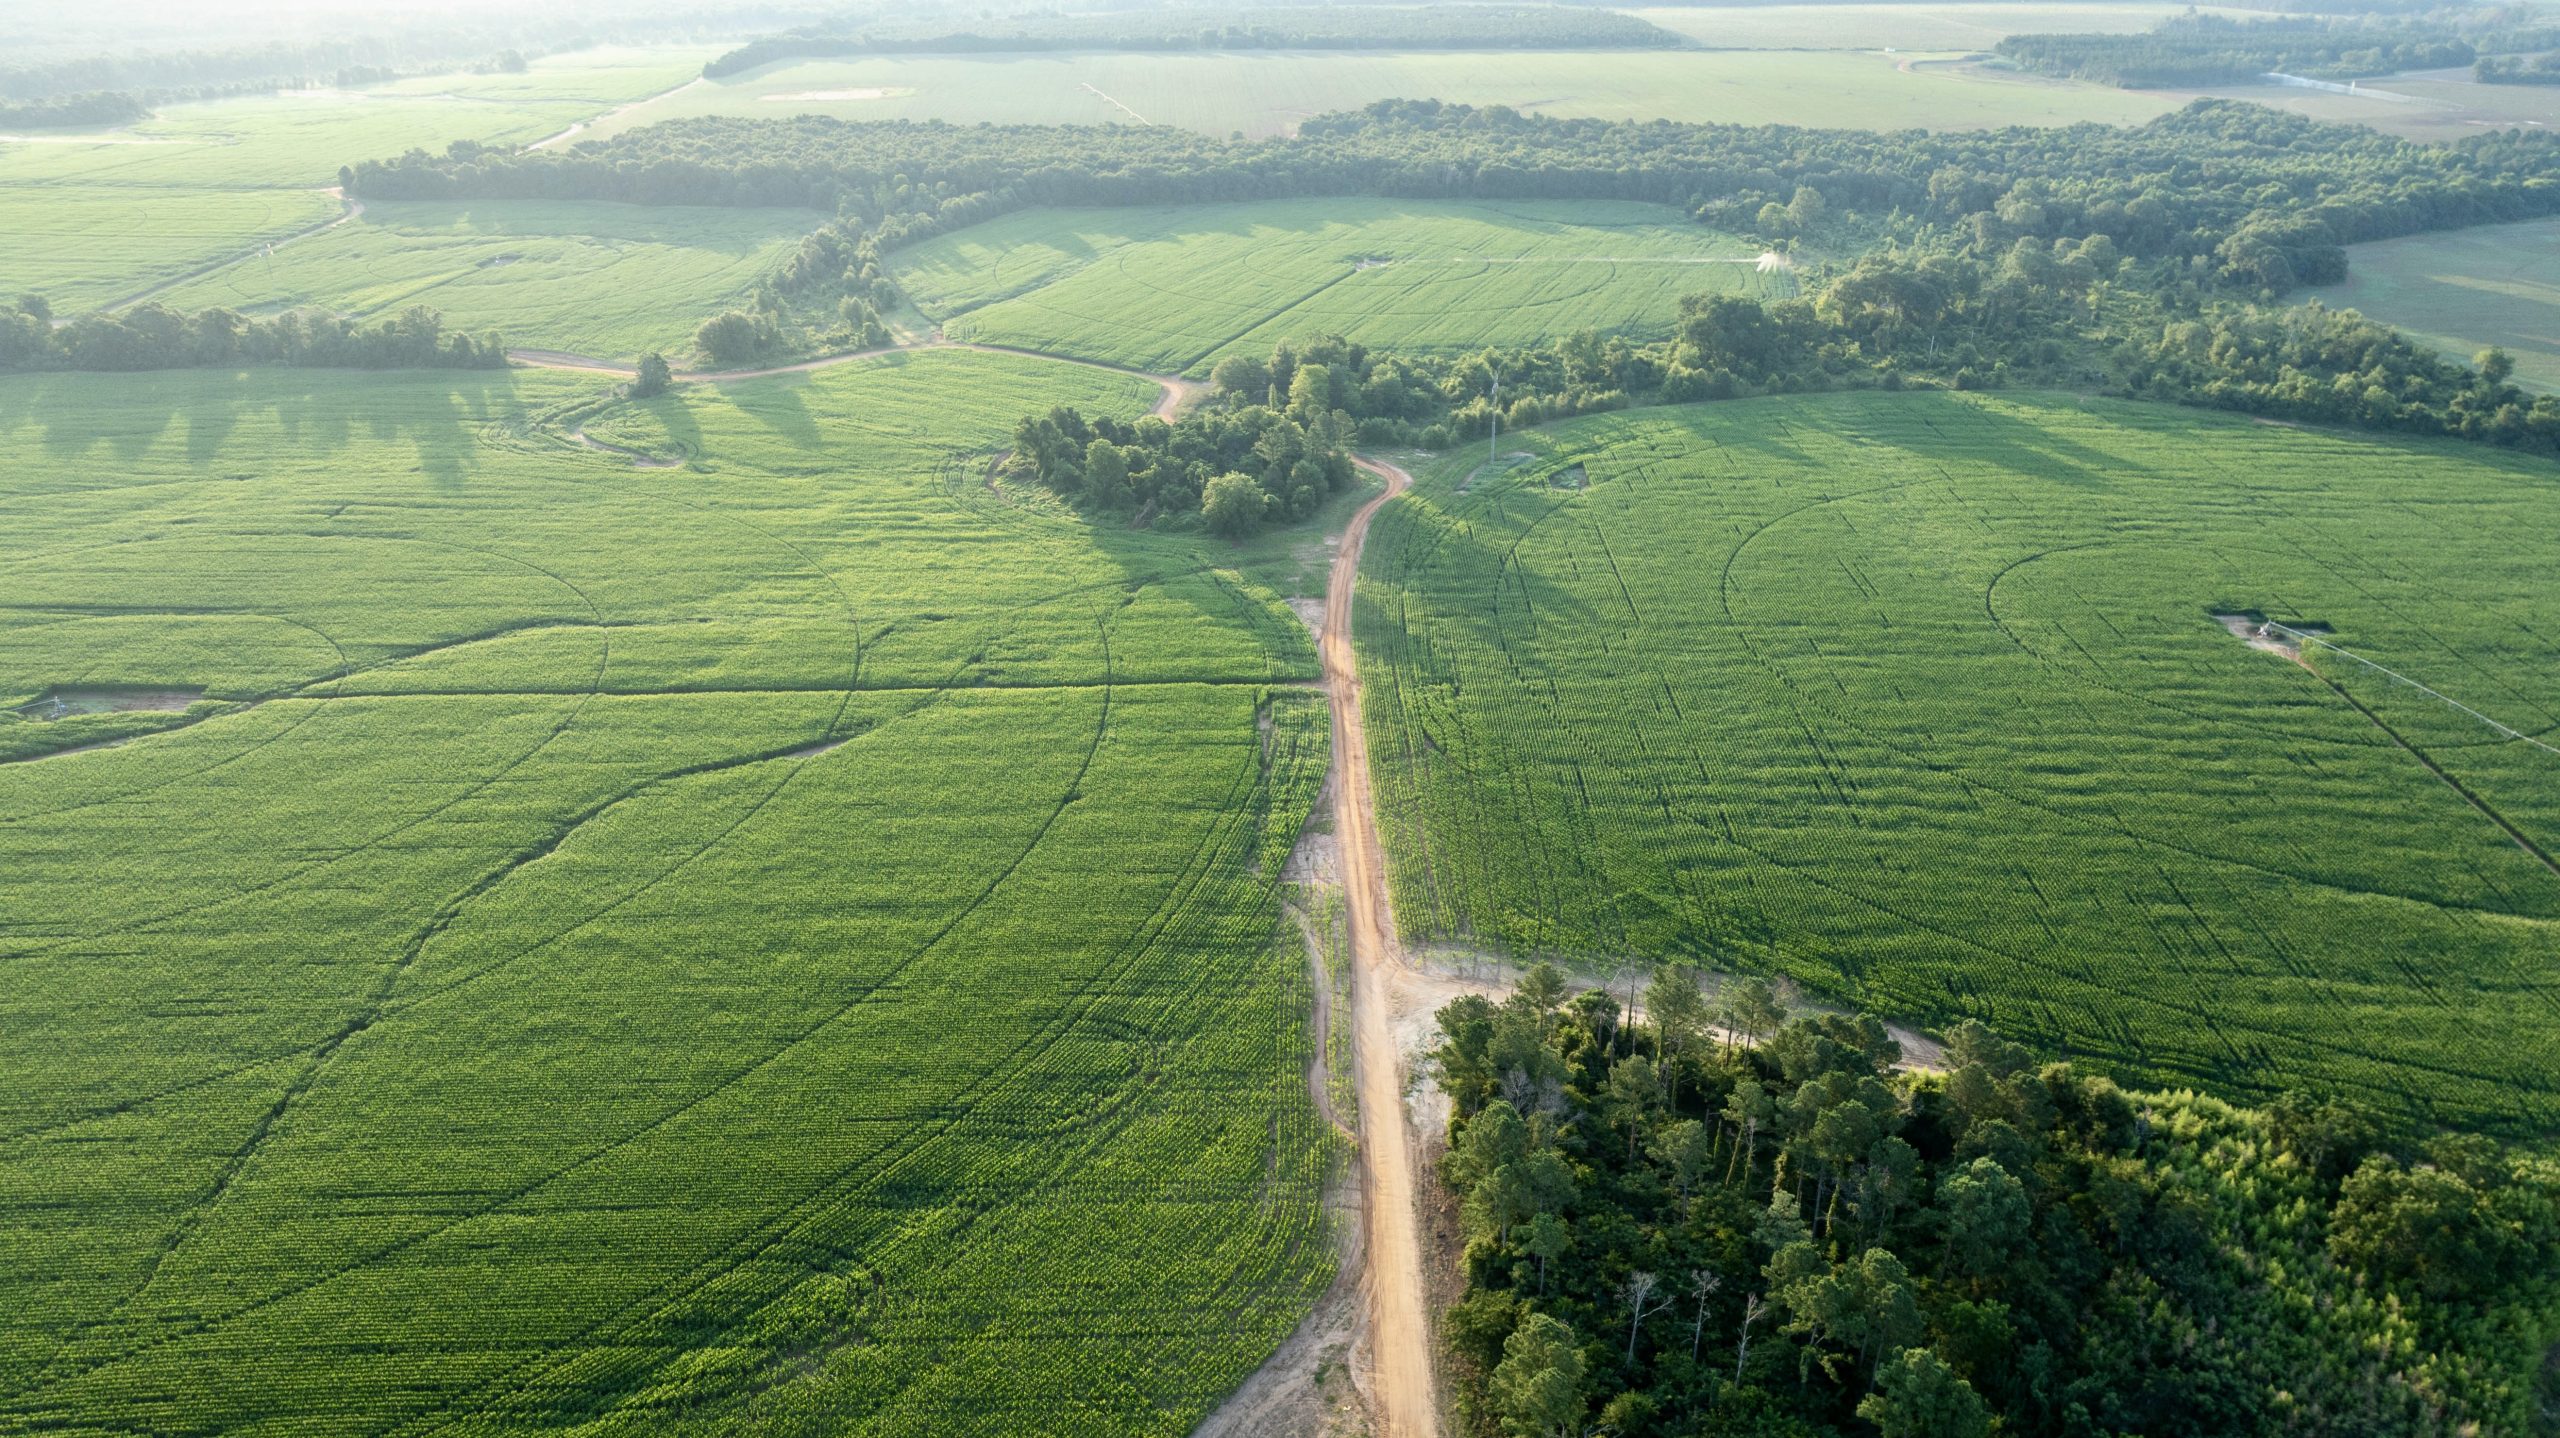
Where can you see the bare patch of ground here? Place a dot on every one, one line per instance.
(2258, 635)
(1510, 460)
(1442, 972)
(1310, 612)
(1307, 1389)
(66, 702)
(826, 746)
(858, 92)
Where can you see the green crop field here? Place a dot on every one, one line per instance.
(599, 279)
(2464, 291)
(1269, 92)
(1175, 288)
(93, 217)
(297, 139)
(783, 942)
(1921, 699)
(2433, 105)
(84, 245)
(1903, 26)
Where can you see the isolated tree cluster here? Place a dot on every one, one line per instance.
(1236, 468)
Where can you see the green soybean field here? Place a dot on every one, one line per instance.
(590, 278)
(1954, 706)
(785, 939)
(1818, 71)
(96, 216)
(1174, 289)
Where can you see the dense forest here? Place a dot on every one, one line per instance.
(2177, 187)
(1777, 1230)
(1472, 27)
(2213, 50)
(150, 336)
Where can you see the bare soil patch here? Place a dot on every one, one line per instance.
(108, 699)
(1307, 1389)
(858, 92)
(2257, 633)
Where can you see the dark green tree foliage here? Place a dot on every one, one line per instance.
(1472, 27)
(2212, 50)
(653, 376)
(735, 337)
(1236, 465)
(150, 336)
(2543, 69)
(97, 107)
(2175, 188)
(1862, 1250)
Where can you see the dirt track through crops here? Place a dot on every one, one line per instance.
(1404, 1386)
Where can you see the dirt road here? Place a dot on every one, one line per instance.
(1403, 1385)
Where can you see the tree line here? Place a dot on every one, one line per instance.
(2196, 49)
(2543, 69)
(1723, 1219)
(2049, 314)
(151, 336)
(2174, 188)
(1203, 28)
(96, 107)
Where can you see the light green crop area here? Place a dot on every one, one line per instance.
(94, 217)
(1903, 26)
(788, 942)
(1923, 700)
(592, 278)
(1269, 92)
(1175, 288)
(2465, 290)
(85, 245)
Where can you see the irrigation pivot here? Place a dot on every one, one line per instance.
(2301, 637)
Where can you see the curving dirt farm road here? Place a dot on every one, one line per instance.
(1404, 1384)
